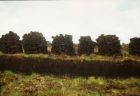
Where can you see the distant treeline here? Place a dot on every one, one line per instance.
(35, 42)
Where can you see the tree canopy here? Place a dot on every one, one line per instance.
(34, 42)
(86, 45)
(134, 46)
(62, 44)
(108, 45)
(10, 43)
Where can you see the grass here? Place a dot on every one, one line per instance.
(13, 84)
(82, 57)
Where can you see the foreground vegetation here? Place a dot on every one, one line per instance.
(13, 84)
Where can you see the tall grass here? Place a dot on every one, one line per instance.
(49, 85)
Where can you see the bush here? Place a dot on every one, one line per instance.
(134, 46)
(62, 44)
(10, 43)
(108, 45)
(34, 42)
(86, 45)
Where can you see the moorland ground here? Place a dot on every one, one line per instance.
(13, 84)
(19, 84)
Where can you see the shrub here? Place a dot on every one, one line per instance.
(134, 46)
(34, 42)
(108, 45)
(10, 43)
(86, 45)
(62, 44)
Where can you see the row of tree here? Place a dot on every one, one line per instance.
(35, 42)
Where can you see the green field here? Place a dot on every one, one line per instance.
(13, 84)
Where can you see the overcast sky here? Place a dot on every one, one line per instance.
(74, 17)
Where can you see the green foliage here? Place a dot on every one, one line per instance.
(63, 44)
(134, 46)
(34, 42)
(10, 43)
(86, 45)
(108, 45)
(46, 85)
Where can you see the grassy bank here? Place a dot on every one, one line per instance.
(80, 67)
(81, 57)
(12, 84)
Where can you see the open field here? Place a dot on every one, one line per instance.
(13, 84)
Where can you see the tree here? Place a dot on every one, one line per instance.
(86, 45)
(34, 42)
(10, 43)
(69, 47)
(62, 44)
(108, 45)
(134, 46)
(0, 44)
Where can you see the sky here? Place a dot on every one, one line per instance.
(73, 17)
